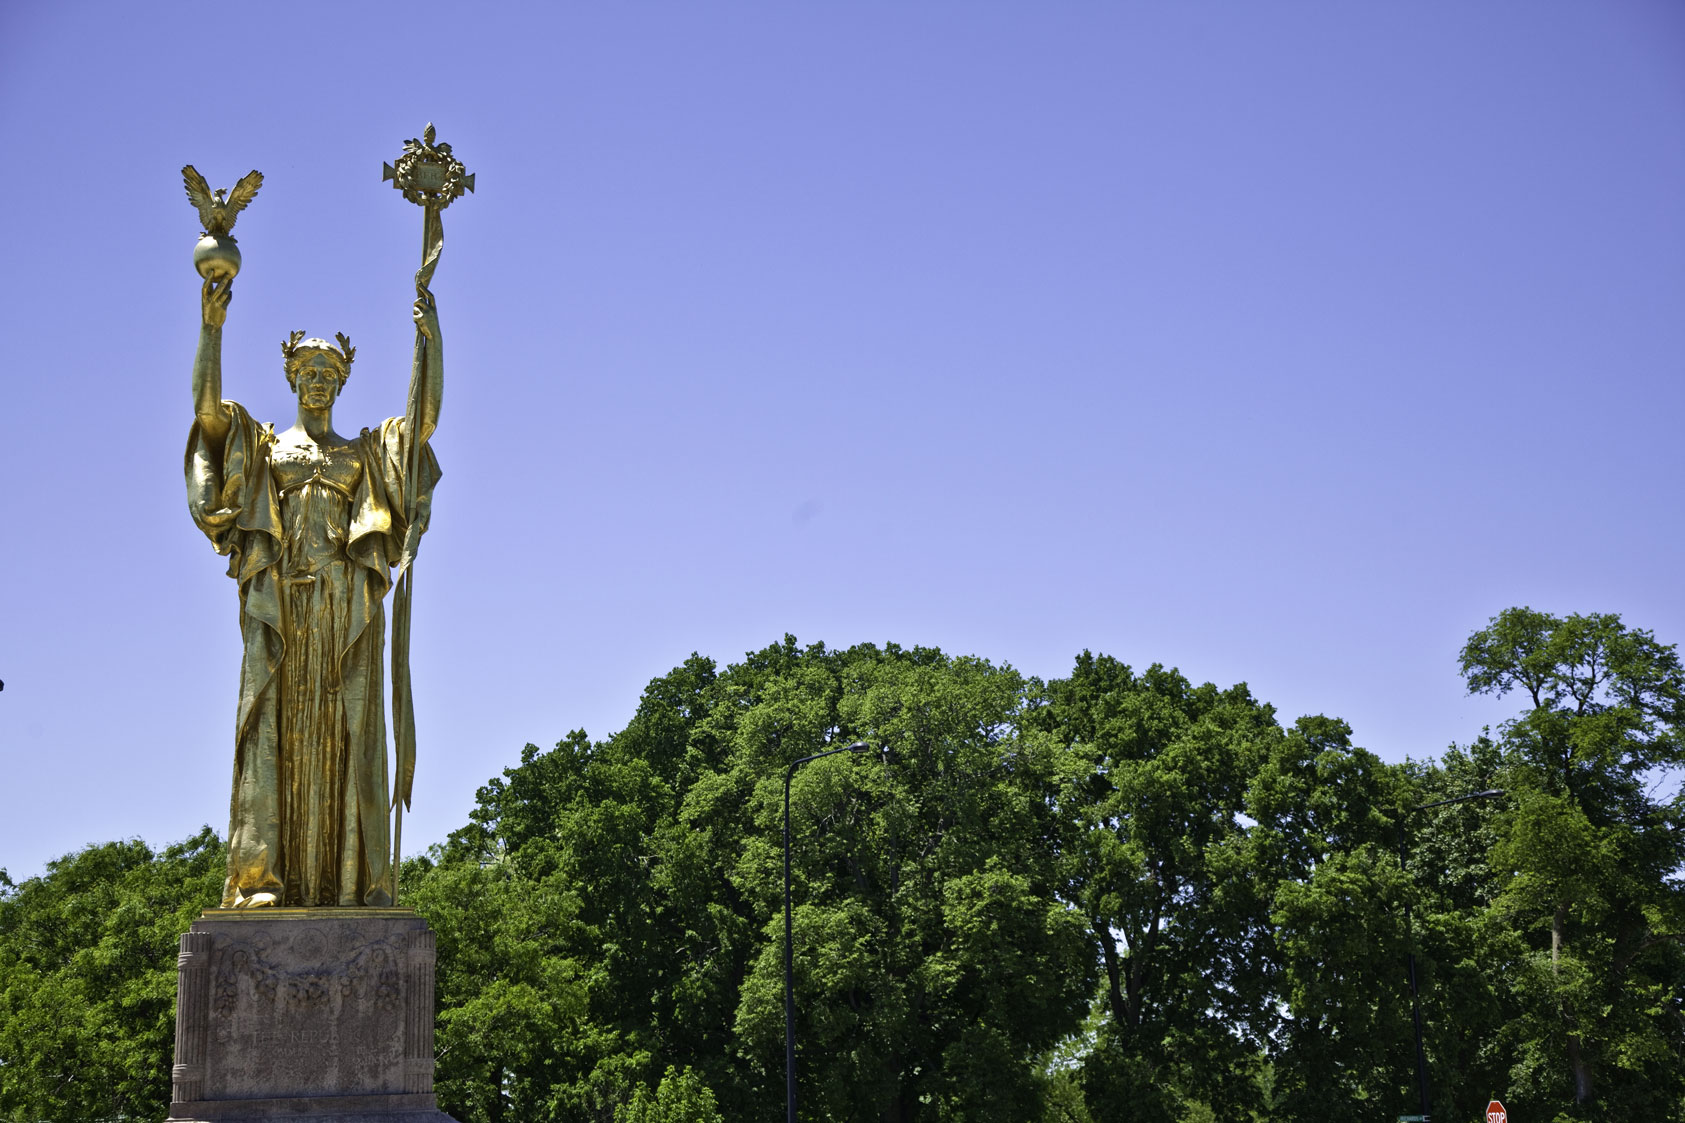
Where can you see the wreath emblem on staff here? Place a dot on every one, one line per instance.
(427, 173)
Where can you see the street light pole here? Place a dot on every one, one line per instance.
(789, 959)
(1410, 944)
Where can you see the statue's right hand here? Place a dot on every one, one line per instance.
(213, 302)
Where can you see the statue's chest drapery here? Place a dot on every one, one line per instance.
(316, 485)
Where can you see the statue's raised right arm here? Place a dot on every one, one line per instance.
(427, 378)
(207, 362)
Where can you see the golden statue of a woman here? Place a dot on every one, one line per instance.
(313, 523)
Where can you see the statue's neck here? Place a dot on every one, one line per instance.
(318, 425)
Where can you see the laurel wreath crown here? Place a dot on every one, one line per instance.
(297, 347)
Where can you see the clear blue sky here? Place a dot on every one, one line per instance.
(1283, 343)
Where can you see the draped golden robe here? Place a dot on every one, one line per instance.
(311, 539)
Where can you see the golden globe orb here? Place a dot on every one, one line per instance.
(216, 258)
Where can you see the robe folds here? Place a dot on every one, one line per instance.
(309, 809)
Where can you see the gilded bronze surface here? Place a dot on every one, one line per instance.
(217, 257)
(313, 523)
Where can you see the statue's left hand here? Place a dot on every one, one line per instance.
(425, 314)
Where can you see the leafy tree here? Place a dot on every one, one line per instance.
(88, 978)
(1467, 953)
(1323, 849)
(542, 938)
(510, 996)
(936, 963)
(1587, 859)
(1157, 773)
(943, 962)
(1113, 896)
(680, 1098)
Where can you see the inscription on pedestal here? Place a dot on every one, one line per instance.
(289, 1004)
(300, 1011)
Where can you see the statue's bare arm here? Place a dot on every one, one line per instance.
(207, 363)
(428, 378)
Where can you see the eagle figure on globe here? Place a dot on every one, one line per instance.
(216, 256)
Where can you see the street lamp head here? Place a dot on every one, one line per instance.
(1489, 793)
(863, 747)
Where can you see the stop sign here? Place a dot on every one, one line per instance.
(1495, 1113)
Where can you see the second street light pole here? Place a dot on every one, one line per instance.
(1410, 946)
(789, 957)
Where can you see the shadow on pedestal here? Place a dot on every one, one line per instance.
(305, 1014)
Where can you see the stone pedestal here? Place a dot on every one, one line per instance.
(305, 1014)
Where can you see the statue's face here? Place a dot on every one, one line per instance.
(317, 382)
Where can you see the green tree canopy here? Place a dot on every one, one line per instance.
(1113, 896)
(936, 962)
(88, 977)
(1586, 864)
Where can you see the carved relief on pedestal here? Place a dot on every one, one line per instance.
(306, 1003)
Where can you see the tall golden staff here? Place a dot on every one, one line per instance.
(432, 178)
